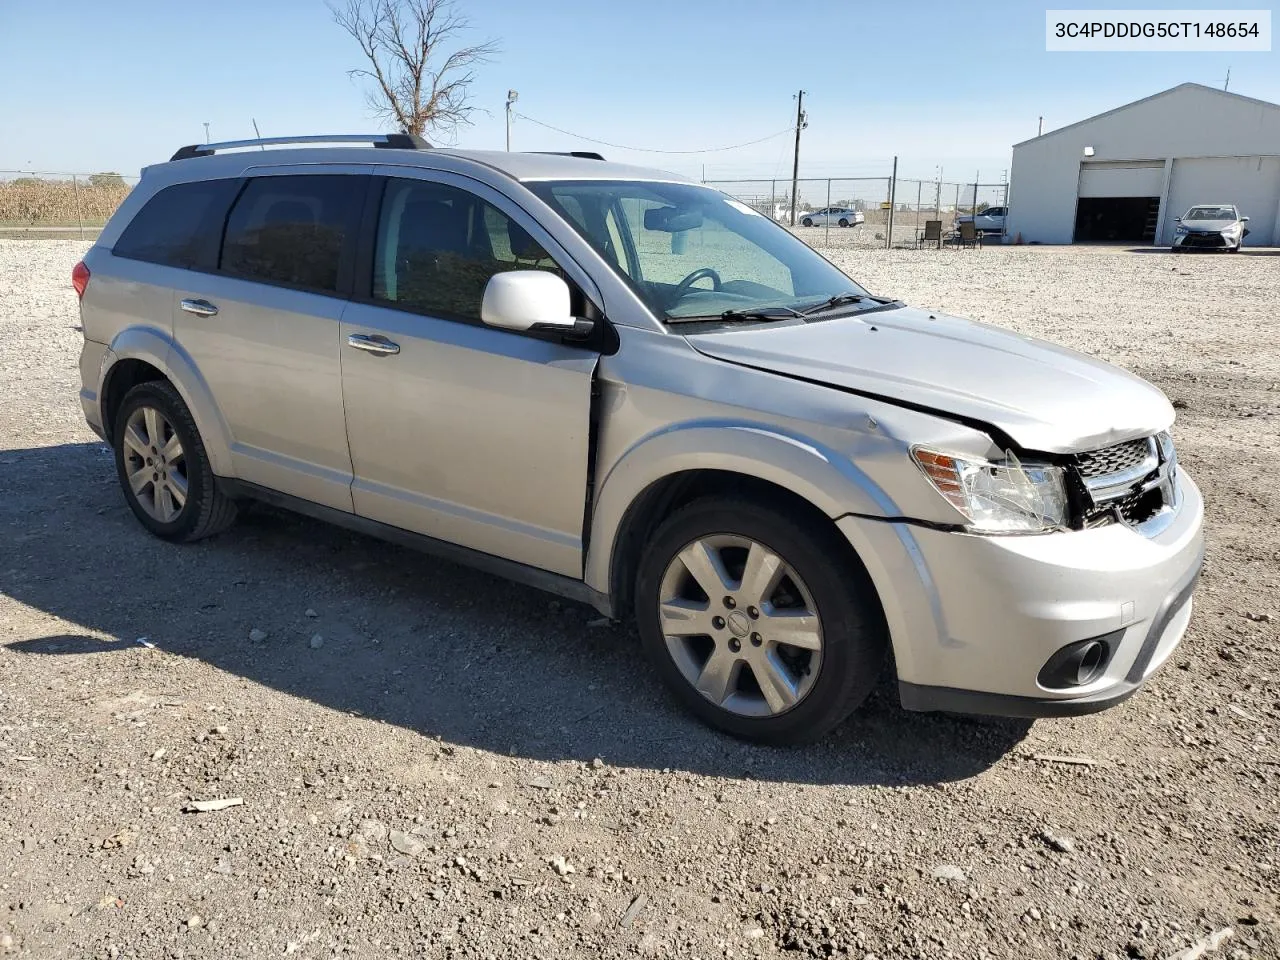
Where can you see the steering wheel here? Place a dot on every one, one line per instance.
(683, 286)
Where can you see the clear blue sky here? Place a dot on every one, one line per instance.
(88, 86)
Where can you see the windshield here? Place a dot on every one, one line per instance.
(692, 252)
(1211, 213)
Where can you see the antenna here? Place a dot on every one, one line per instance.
(1228, 81)
(256, 132)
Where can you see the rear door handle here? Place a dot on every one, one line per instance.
(373, 344)
(201, 308)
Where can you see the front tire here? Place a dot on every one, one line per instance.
(806, 222)
(756, 621)
(163, 467)
(844, 223)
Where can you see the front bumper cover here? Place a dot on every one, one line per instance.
(974, 619)
(1177, 606)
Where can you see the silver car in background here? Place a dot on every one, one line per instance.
(630, 389)
(1216, 226)
(836, 216)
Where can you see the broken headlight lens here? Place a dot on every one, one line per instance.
(1005, 496)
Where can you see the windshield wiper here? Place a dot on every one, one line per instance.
(835, 301)
(758, 313)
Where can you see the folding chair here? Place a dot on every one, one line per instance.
(932, 234)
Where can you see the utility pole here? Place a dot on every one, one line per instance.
(795, 164)
(893, 200)
(206, 133)
(1228, 81)
(512, 97)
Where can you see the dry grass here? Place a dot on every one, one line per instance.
(33, 202)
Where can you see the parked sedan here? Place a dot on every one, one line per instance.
(841, 216)
(1216, 226)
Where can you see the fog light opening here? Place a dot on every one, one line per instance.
(1080, 663)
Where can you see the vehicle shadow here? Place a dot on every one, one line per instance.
(407, 639)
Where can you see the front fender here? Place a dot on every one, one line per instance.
(824, 477)
(158, 349)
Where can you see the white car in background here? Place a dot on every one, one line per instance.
(1215, 226)
(840, 216)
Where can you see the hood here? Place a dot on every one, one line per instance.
(1208, 226)
(1046, 398)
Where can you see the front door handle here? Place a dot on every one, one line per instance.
(373, 344)
(201, 308)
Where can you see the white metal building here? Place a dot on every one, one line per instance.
(1124, 175)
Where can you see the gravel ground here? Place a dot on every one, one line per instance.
(458, 767)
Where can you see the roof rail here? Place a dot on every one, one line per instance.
(391, 141)
(581, 154)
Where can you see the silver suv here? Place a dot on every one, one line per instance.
(635, 391)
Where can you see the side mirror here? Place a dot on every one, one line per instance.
(526, 300)
(1244, 219)
(1177, 219)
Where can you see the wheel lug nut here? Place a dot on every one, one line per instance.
(753, 613)
(735, 644)
(718, 622)
(730, 603)
(756, 639)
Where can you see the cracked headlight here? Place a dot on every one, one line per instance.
(1006, 496)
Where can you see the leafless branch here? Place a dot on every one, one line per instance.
(414, 81)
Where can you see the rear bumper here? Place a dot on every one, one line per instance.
(975, 619)
(92, 356)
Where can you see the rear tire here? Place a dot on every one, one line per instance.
(733, 640)
(163, 467)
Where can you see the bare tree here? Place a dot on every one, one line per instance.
(418, 85)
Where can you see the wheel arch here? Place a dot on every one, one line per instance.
(140, 354)
(664, 472)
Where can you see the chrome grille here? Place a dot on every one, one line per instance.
(1126, 481)
(1115, 459)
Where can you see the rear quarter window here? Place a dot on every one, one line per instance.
(180, 226)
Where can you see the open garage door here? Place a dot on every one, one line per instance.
(1119, 201)
(1251, 183)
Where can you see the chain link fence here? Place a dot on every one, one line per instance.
(880, 211)
(36, 203)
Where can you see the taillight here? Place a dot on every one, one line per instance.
(80, 278)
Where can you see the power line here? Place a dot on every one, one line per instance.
(619, 146)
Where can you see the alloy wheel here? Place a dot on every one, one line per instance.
(740, 625)
(155, 464)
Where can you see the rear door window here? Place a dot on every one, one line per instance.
(295, 231)
(180, 226)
